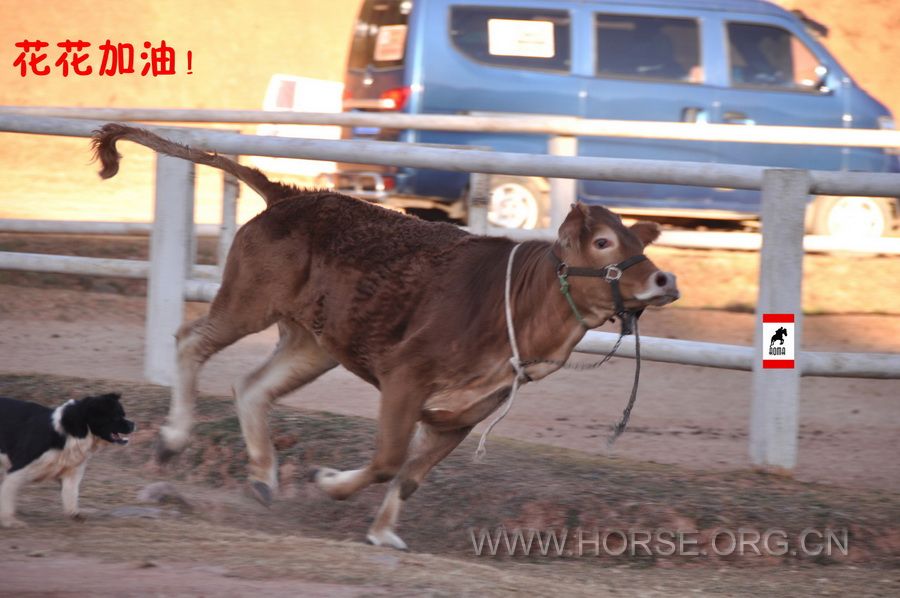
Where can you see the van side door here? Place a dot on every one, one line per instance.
(649, 65)
(775, 74)
(493, 57)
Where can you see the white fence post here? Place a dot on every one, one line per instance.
(170, 261)
(479, 188)
(230, 193)
(773, 416)
(562, 191)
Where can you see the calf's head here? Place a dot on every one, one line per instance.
(594, 237)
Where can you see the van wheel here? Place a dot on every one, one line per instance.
(518, 202)
(851, 217)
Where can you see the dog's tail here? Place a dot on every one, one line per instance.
(104, 146)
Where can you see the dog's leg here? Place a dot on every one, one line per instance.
(71, 482)
(399, 411)
(297, 360)
(429, 447)
(9, 489)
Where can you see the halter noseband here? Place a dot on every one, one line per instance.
(610, 274)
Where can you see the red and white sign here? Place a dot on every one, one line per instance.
(778, 341)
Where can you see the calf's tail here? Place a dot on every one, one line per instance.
(104, 147)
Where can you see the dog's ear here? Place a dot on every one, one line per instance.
(74, 420)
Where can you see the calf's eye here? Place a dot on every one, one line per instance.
(601, 243)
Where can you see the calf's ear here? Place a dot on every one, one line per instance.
(647, 232)
(576, 224)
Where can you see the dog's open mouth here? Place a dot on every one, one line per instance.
(118, 438)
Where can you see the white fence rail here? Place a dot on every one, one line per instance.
(388, 153)
(204, 285)
(89, 227)
(684, 239)
(785, 194)
(565, 126)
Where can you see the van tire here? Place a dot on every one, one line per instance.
(519, 202)
(851, 217)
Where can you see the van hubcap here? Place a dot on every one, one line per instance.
(859, 217)
(513, 206)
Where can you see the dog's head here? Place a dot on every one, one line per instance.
(102, 416)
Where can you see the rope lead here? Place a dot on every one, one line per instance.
(515, 360)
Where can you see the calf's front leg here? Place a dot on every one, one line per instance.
(429, 447)
(397, 417)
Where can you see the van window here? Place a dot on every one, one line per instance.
(653, 48)
(768, 56)
(379, 38)
(512, 37)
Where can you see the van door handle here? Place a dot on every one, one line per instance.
(737, 118)
(694, 114)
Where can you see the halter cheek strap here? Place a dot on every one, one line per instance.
(610, 274)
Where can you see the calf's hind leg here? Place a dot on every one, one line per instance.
(297, 360)
(232, 316)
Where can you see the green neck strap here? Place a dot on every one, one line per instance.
(564, 287)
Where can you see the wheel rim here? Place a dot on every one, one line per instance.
(513, 206)
(856, 217)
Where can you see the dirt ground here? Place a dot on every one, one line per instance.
(212, 539)
(682, 463)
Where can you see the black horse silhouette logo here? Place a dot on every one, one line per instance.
(779, 336)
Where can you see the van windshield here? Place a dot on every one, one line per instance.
(379, 38)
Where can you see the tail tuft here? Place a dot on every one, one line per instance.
(103, 145)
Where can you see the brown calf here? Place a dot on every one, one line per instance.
(415, 308)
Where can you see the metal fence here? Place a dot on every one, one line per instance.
(172, 278)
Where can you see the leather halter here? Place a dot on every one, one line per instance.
(610, 274)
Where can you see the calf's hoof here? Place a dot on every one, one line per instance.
(77, 517)
(164, 454)
(311, 476)
(262, 493)
(328, 480)
(170, 443)
(386, 538)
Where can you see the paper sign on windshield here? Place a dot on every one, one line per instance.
(389, 43)
(528, 39)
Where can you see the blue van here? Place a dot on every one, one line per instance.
(742, 62)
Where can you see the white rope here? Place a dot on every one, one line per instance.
(515, 360)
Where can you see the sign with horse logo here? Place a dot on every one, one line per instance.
(778, 341)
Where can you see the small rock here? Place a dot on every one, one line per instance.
(163, 493)
(141, 512)
(37, 553)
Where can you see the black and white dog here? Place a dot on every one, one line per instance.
(38, 443)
